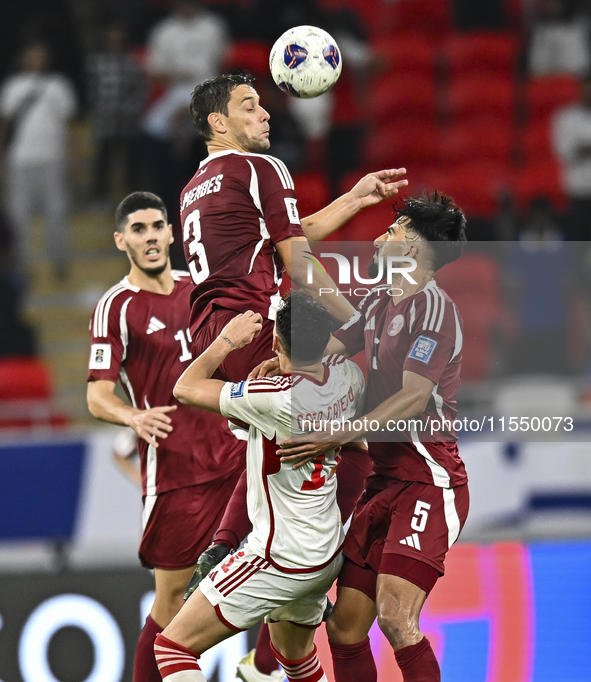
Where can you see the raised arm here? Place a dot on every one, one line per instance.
(370, 190)
(148, 424)
(195, 386)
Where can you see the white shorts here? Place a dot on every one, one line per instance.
(246, 588)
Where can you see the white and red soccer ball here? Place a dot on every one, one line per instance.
(305, 61)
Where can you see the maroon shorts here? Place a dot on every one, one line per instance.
(239, 363)
(183, 522)
(402, 528)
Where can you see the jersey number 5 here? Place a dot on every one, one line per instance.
(192, 228)
(419, 520)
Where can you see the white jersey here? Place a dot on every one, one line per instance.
(296, 521)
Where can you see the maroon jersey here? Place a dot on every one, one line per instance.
(421, 334)
(142, 339)
(233, 212)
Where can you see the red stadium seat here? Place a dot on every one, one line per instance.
(475, 187)
(393, 145)
(403, 95)
(312, 191)
(25, 395)
(482, 53)
(479, 96)
(536, 141)
(543, 95)
(541, 178)
(479, 306)
(412, 53)
(250, 55)
(24, 379)
(482, 139)
(432, 17)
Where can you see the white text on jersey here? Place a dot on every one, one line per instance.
(212, 185)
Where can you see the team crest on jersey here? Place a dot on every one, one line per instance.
(237, 390)
(422, 349)
(396, 325)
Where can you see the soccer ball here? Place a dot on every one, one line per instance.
(305, 61)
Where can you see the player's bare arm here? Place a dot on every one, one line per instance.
(148, 424)
(195, 386)
(290, 251)
(370, 190)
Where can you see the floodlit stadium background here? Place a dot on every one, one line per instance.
(447, 90)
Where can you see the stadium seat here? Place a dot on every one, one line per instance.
(481, 53)
(403, 95)
(26, 395)
(545, 94)
(540, 178)
(24, 379)
(479, 306)
(312, 191)
(411, 53)
(536, 141)
(431, 17)
(392, 145)
(476, 187)
(477, 96)
(251, 55)
(481, 139)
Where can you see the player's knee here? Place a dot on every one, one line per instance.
(341, 630)
(398, 629)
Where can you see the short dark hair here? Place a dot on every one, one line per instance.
(214, 95)
(303, 326)
(138, 201)
(435, 218)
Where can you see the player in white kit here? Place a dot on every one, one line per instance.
(293, 553)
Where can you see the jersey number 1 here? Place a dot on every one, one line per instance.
(195, 246)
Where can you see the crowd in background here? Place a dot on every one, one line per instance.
(505, 130)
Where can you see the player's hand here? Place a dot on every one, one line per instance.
(302, 453)
(268, 368)
(243, 329)
(376, 187)
(153, 423)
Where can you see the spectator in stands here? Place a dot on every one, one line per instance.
(116, 95)
(572, 144)
(35, 109)
(17, 337)
(559, 41)
(184, 49)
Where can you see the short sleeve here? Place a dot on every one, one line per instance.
(435, 338)
(278, 199)
(106, 346)
(255, 402)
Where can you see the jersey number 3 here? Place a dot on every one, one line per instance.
(192, 231)
(317, 480)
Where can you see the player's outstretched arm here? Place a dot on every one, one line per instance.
(195, 386)
(148, 424)
(370, 190)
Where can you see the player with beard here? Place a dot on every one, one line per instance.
(241, 232)
(139, 336)
(416, 500)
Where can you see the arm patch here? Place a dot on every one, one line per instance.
(100, 356)
(422, 349)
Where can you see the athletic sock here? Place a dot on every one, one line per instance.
(175, 662)
(418, 663)
(264, 658)
(235, 524)
(144, 663)
(353, 662)
(306, 669)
